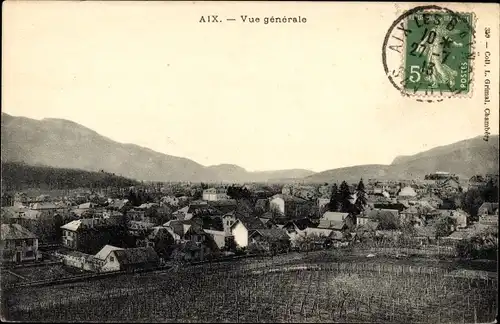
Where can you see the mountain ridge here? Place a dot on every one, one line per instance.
(61, 143)
(464, 158)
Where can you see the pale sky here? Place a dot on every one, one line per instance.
(277, 96)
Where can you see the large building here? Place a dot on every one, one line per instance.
(18, 244)
(214, 194)
(286, 205)
(89, 235)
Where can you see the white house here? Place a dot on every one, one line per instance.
(106, 260)
(242, 228)
(112, 258)
(240, 234)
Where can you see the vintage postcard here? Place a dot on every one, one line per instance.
(249, 162)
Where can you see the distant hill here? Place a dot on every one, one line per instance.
(225, 172)
(466, 151)
(465, 158)
(284, 174)
(64, 144)
(20, 176)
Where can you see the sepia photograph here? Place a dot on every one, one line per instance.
(249, 162)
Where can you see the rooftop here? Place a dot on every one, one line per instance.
(250, 222)
(331, 224)
(136, 255)
(271, 233)
(15, 232)
(289, 198)
(334, 216)
(44, 205)
(105, 251)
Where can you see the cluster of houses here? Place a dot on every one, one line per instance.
(439, 186)
(117, 236)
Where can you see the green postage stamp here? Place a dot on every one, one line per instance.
(438, 52)
(434, 48)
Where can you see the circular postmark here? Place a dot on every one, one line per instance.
(428, 51)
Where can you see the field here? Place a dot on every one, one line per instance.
(35, 273)
(313, 287)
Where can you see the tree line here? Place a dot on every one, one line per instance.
(19, 176)
(139, 197)
(475, 197)
(340, 198)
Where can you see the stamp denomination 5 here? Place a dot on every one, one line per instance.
(427, 52)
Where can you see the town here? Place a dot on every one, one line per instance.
(236, 163)
(88, 233)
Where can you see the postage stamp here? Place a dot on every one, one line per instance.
(428, 52)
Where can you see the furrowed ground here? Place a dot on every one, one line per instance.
(314, 287)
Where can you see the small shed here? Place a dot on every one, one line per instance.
(105, 261)
(136, 258)
(271, 239)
